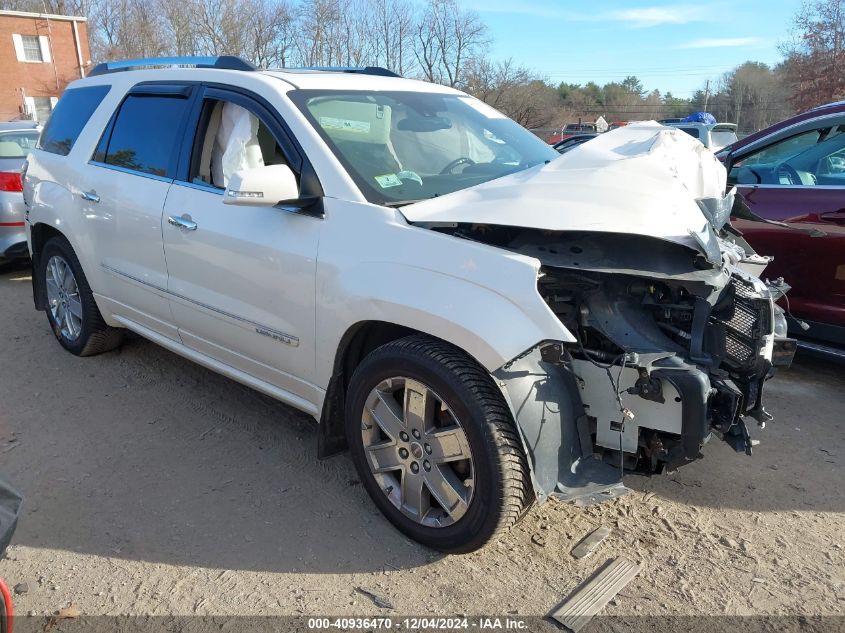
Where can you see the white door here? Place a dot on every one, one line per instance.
(241, 279)
(122, 194)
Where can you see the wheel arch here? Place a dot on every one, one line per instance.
(357, 342)
(40, 234)
(360, 339)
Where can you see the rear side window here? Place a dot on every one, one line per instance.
(69, 117)
(144, 134)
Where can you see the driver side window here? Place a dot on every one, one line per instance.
(231, 138)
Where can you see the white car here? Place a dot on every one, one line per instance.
(480, 322)
(714, 136)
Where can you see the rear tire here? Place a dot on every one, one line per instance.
(456, 440)
(71, 310)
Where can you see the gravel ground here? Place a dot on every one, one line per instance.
(156, 487)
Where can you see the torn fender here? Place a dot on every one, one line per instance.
(543, 398)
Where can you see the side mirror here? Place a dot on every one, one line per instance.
(264, 186)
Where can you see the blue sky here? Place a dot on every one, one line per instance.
(672, 46)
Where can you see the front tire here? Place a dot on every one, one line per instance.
(435, 444)
(71, 310)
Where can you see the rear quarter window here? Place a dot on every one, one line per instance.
(69, 118)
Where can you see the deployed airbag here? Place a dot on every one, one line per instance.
(236, 145)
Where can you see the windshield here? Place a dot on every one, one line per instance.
(401, 147)
(17, 144)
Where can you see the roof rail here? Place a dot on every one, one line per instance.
(828, 105)
(223, 62)
(359, 70)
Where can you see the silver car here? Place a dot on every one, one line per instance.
(17, 138)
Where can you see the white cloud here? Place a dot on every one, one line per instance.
(641, 17)
(725, 42)
(644, 17)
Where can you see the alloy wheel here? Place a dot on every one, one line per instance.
(418, 452)
(63, 298)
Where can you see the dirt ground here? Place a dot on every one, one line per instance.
(154, 486)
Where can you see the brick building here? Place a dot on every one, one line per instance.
(39, 55)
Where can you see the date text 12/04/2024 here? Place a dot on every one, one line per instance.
(422, 623)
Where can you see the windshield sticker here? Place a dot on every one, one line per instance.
(482, 108)
(347, 125)
(388, 180)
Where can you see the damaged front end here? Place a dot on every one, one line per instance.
(673, 334)
(678, 354)
(671, 345)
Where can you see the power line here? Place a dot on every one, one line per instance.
(641, 71)
(685, 67)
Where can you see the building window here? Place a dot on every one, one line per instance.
(31, 48)
(43, 107)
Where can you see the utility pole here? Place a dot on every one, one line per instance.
(706, 94)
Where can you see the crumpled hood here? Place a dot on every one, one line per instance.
(643, 178)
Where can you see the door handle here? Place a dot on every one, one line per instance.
(833, 216)
(182, 222)
(91, 196)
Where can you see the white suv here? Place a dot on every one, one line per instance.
(480, 322)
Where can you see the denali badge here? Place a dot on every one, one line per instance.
(278, 336)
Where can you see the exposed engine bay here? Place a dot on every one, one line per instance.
(670, 346)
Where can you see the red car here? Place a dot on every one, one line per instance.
(794, 173)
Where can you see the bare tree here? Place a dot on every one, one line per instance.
(177, 20)
(448, 39)
(219, 26)
(269, 32)
(752, 95)
(513, 90)
(58, 7)
(319, 26)
(126, 28)
(392, 31)
(441, 41)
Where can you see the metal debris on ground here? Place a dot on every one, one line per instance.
(594, 594)
(381, 603)
(590, 542)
